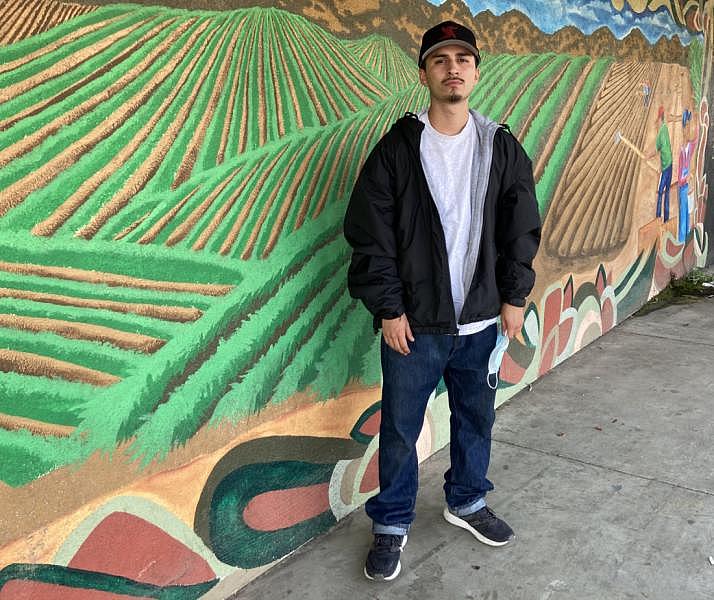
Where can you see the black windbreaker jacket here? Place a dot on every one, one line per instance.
(399, 261)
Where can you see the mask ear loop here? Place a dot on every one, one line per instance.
(488, 381)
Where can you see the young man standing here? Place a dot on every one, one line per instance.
(444, 226)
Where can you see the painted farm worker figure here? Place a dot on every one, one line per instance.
(444, 226)
(683, 169)
(664, 148)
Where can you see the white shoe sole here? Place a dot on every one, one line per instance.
(396, 571)
(459, 522)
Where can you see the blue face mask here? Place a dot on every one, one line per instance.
(494, 360)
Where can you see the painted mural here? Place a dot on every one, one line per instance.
(187, 391)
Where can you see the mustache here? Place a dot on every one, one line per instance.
(448, 79)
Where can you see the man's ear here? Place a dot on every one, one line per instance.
(422, 76)
(478, 74)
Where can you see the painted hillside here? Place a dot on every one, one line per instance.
(173, 308)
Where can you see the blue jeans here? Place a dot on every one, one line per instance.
(665, 181)
(407, 384)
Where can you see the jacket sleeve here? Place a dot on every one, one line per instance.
(373, 276)
(518, 226)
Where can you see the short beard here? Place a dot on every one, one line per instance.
(455, 98)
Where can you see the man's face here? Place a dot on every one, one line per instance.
(450, 73)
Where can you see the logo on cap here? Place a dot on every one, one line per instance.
(448, 32)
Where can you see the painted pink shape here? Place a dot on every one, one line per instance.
(607, 315)
(371, 425)
(689, 258)
(600, 282)
(661, 275)
(370, 479)
(564, 334)
(551, 312)
(547, 356)
(38, 590)
(568, 294)
(129, 546)
(672, 248)
(511, 371)
(280, 509)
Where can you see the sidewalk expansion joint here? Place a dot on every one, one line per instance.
(671, 338)
(604, 467)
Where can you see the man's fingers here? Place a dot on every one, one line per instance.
(410, 335)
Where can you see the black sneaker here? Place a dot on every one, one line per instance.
(383, 558)
(486, 526)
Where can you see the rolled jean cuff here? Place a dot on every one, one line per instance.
(469, 508)
(378, 528)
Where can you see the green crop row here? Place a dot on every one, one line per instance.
(26, 456)
(302, 368)
(92, 355)
(137, 395)
(545, 187)
(535, 90)
(548, 111)
(254, 388)
(96, 291)
(34, 43)
(188, 405)
(133, 260)
(342, 359)
(44, 399)
(105, 150)
(56, 85)
(128, 322)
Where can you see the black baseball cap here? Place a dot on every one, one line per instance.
(448, 33)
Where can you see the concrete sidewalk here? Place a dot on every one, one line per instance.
(605, 470)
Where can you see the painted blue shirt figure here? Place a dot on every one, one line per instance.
(439, 256)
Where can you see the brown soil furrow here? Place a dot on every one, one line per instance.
(66, 64)
(559, 125)
(13, 423)
(541, 100)
(84, 331)
(68, 91)
(158, 227)
(14, 20)
(338, 86)
(230, 107)
(603, 109)
(307, 80)
(353, 149)
(333, 171)
(28, 19)
(64, 211)
(261, 116)
(139, 178)
(27, 363)
(267, 206)
(199, 135)
(177, 314)
(523, 89)
(275, 77)
(337, 53)
(245, 104)
(127, 230)
(291, 84)
(315, 177)
(225, 208)
(288, 200)
(250, 201)
(189, 223)
(114, 280)
(17, 192)
(306, 56)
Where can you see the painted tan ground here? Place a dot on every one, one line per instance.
(37, 527)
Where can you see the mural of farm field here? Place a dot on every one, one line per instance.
(182, 370)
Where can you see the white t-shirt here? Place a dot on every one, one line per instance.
(447, 161)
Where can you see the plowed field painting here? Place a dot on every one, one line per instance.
(182, 369)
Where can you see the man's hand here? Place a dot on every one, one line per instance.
(396, 333)
(511, 319)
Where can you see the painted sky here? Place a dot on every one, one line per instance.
(587, 15)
